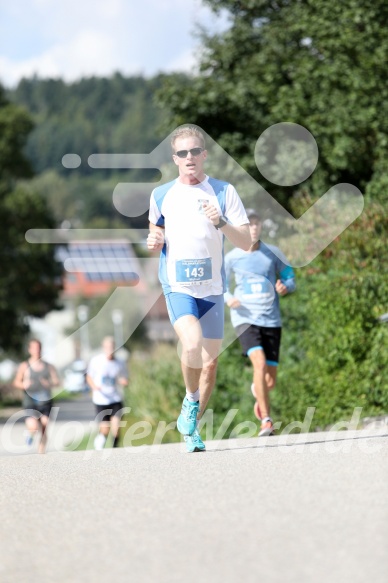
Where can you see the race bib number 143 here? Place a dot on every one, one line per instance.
(197, 271)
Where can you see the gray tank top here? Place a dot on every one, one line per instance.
(36, 390)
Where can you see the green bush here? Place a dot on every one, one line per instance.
(334, 348)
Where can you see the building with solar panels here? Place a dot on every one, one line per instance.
(128, 286)
(93, 268)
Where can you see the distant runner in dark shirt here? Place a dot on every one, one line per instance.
(36, 378)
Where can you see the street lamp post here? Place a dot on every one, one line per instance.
(117, 319)
(83, 314)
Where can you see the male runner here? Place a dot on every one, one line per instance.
(189, 218)
(260, 277)
(36, 378)
(106, 376)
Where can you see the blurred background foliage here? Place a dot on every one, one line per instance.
(321, 64)
(30, 279)
(334, 348)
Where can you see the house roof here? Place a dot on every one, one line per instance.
(102, 260)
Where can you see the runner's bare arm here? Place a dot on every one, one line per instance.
(54, 379)
(91, 383)
(240, 236)
(155, 239)
(19, 381)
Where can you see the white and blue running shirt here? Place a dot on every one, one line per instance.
(192, 258)
(255, 275)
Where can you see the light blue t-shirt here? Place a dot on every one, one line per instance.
(255, 275)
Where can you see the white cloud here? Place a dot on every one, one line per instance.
(12, 72)
(74, 38)
(185, 62)
(88, 53)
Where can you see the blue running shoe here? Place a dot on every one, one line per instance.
(187, 420)
(28, 438)
(194, 442)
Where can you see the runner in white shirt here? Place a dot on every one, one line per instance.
(106, 376)
(189, 218)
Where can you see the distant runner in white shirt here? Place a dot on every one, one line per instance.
(106, 376)
(189, 218)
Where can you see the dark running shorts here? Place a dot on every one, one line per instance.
(36, 408)
(110, 410)
(260, 338)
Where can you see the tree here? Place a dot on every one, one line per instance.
(29, 276)
(92, 115)
(335, 347)
(320, 64)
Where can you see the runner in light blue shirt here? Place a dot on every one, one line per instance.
(261, 275)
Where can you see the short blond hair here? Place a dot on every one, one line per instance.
(187, 132)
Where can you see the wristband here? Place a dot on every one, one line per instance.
(222, 223)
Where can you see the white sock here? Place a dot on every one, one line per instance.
(192, 397)
(265, 419)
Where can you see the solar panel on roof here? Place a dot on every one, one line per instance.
(101, 261)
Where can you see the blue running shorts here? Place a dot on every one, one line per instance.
(209, 311)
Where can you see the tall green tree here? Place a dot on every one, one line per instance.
(29, 274)
(92, 115)
(321, 64)
(318, 63)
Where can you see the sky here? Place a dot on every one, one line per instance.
(75, 38)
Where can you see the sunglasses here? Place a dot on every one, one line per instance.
(193, 152)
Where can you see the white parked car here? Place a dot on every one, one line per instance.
(74, 377)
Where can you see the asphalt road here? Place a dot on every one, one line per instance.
(306, 508)
(70, 420)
